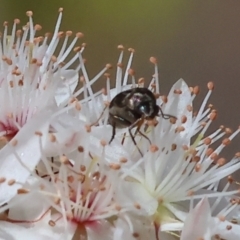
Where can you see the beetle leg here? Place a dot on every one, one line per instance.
(113, 131)
(142, 134)
(165, 116)
(124, 135)
(137, 123)
(130, 133)
(95, 123)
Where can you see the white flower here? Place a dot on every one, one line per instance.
(80, 190)
(178, 164)
(31, 77)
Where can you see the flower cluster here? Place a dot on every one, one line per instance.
(60, 178)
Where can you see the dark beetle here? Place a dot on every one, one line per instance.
(130, 108)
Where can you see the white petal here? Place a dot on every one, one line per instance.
(69, 133)
(28, 207)
(131, 193)
(66, 89)
(101, 230)
(27, 149)
(225, 229)
(197, 222)
(41, 231)
(177, 104)
(16, 232)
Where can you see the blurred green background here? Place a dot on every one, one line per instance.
(196, 40)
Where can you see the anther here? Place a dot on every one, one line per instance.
(2, 179)
(79, 35)
(207, 141)
(120, 65)
(230, 179)
(29, 13)
(51, 223)
(60, 34)
(131, 72)
(103, 142)
(183, 119)
(198, 167)
(210, 86)
(173, 120)
(137, 205)
(237, 154)
(131, 50)
(185, 147)
(22, 191)
(108, 66)
(209, 152)
(153, 60)
(77, 106)
(77, 49)
(228, 130)
(107, 75)
(226, 141)
(221, 218)
(190, 193)
(120, 47)
(18, 33)
(38, 133)
(115, 166)
(141, 81)
(123, 160)
(189, 108)
(214, 156)
(164, 99)
(135, 235)
(104, 91)
(228, 227)
(213, 116)
(221, 161)
(69, 33)
(196, 90)
(153, 148)
(82, 168)
(38, 27)
(173, 147)
(81, 178)
(14, 142)
(177, 91)
(179, 129)
(81, 149)
(70, 179)
(11, 84)
(118, 207)
(11, 182)
(52, 137)
(63, 159)
(88, 128)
